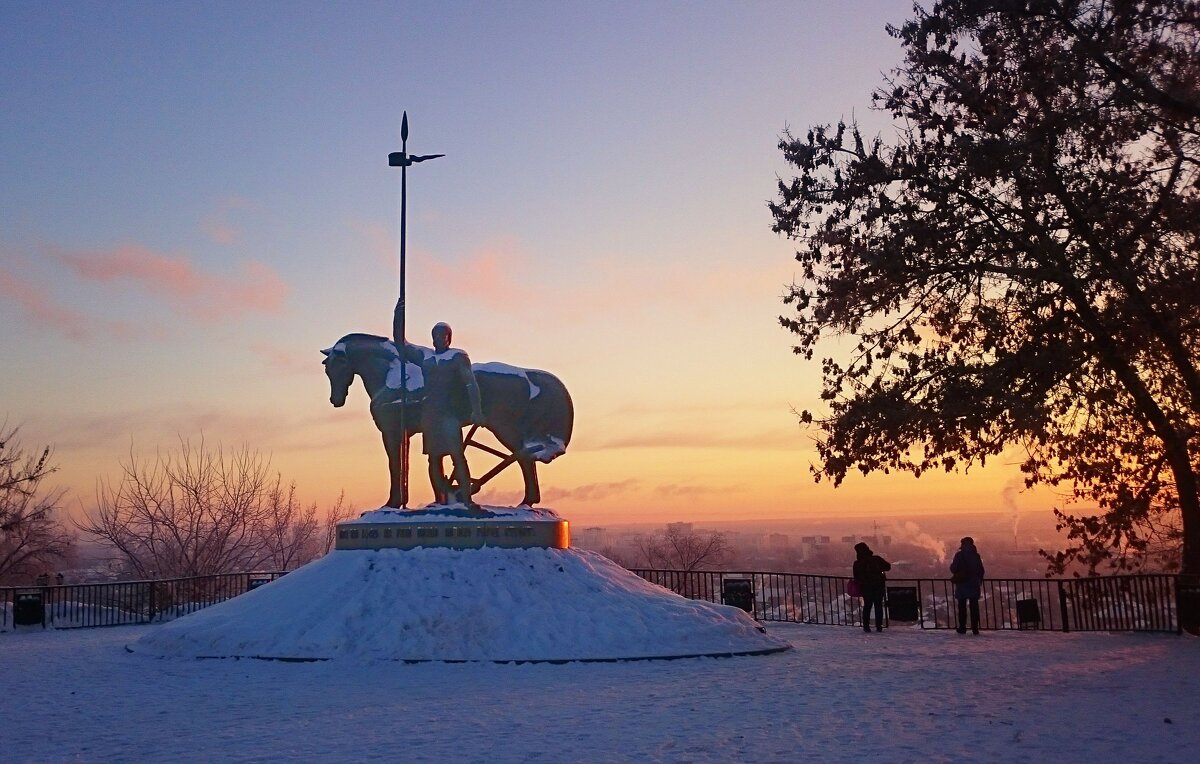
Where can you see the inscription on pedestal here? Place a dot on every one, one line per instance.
(466, 534)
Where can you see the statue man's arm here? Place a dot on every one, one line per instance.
(411, 353)
(468, 378)
(407, 352)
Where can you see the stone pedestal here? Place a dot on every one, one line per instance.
(453, 527)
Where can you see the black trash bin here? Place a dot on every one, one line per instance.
(1029, 614)
(28, 609)
(1189, 603)
(738, 592)
(902, 604)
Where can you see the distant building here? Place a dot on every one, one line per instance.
(871, 540)
(679, 527)
(811, 544)
(591, 538)
(778, 541)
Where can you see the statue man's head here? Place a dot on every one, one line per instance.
(441, 336)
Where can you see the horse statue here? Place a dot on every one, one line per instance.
(529, 411)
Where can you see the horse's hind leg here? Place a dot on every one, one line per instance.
(391, 445)
(533, 493)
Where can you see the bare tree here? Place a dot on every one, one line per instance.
(189, 512)
(198, 510)
(618, 555)
(682, 548)
(287, 530)
(21, 471)
(31, 538)
(295, 536)
(337, 513)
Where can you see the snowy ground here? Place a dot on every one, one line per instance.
(840, 695)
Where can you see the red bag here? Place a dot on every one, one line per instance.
(853, 589)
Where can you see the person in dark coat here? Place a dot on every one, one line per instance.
(869, 570)
(966, 571)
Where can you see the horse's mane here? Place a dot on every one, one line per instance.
(372, 343)
(362, 337)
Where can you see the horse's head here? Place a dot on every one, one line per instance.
(340, 373)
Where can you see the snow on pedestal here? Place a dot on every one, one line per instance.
(488, 604)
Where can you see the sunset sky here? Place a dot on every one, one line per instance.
(196, 199)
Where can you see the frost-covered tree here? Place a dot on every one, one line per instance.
(199, 510)
(682, 548)
(32, 540)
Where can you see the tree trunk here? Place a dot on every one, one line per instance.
(1189, 506)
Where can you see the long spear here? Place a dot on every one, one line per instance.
(402, 160)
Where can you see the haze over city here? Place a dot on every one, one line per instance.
(197, 200)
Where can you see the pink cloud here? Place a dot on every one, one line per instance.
(255, 287)
(220, 231)
(591, 491)
(258, 287)
(285, 362)
(499, 274)
(156, 426)
(496, 275)
(586, 492)
(693, 491)
(698, 288)
(216, 224)
(773, 440)
(40, 309)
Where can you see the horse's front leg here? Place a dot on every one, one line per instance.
(533, 493)
(392, 445)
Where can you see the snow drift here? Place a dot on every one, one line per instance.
(460, 605)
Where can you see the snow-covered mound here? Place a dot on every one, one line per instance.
(475, 604)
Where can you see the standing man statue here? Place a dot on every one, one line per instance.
(451, 398)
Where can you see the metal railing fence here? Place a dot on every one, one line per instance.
(1144, 603)
(121, 603)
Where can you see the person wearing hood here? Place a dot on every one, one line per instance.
(869, 570)
(966, 572)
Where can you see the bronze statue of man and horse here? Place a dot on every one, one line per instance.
(528, 411)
